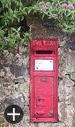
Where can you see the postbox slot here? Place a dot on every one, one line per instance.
(44, 52)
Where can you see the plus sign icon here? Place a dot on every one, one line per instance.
(13, 114)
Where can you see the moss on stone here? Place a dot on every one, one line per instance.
(73, 122)
(3, 122)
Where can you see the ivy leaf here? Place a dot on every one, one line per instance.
(72, 1)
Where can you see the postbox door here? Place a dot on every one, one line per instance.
(43, 107)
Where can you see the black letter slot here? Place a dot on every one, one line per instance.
(44, 52)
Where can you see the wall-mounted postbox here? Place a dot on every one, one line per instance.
(44, 80)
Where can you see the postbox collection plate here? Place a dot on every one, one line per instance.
(44, 80)
(44, 65)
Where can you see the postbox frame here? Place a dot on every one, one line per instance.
(54, 57)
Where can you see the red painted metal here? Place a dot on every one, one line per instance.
(44, 83)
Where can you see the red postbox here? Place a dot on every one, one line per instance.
(44, 80)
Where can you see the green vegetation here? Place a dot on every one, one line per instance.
(13, 12)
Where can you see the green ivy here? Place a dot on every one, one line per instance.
(13, 11)
(64, 17)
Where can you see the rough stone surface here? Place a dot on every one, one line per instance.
(15, 82)
(70, 62)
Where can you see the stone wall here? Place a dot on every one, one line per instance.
(15, 80)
